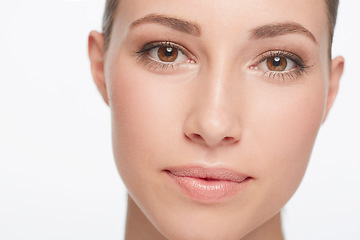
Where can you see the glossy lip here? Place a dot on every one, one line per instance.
(208, 185)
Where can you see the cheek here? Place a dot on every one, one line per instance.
(285, 122)
(141, 113)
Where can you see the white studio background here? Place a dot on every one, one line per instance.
(58, 179)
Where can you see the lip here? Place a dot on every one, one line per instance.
(208, 185)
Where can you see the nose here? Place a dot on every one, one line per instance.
(214, 118)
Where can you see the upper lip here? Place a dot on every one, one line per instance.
(219, 174)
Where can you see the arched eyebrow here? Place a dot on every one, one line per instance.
(274, 30)
(265, 31)
(175, 23)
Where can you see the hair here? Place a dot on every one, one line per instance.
(111, 6)
(332, 10)
(108, 20)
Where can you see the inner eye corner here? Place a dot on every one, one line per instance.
(254, 67)
(192, 61)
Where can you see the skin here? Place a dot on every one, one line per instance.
(222, 110)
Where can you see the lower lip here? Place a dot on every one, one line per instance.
(208, 191)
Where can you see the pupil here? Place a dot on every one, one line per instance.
(168, 52)
(276, 61)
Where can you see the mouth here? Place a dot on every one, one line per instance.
(208, 185)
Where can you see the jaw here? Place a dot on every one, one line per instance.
(138, 226)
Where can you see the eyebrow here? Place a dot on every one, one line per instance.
(274, 30)
(177, 24)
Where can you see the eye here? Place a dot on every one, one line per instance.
(167, 54)
(165, 57)
(277, 64)
(280, 64)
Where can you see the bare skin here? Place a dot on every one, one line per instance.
(138, 226)
(214, 85)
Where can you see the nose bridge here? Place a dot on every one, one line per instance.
(215, 88)
(213, 120)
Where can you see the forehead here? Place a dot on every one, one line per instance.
(227, 17)
(226, 11)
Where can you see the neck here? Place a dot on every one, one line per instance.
(139, 227)
(270, 230)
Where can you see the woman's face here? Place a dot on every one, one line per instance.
(215, 108)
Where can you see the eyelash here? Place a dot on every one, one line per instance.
(289, 75)
(300, 69)
(154, 64)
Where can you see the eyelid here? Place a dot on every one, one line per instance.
(298, 71)
(279, 53)
(149, 46)
(158, 66)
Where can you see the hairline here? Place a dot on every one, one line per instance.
(111, 8)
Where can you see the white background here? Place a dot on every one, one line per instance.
(58, 179)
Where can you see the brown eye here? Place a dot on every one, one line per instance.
(276, 63)
(167, 54)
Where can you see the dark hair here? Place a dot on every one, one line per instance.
(108, 20)
(111, 6)
(332, 9)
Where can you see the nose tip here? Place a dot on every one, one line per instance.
(212, 130)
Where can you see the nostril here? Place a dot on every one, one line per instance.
(230, 140)
(194, 137)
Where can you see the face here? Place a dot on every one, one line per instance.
(215, 108)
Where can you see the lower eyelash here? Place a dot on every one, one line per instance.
(286, 75)
(153, 64)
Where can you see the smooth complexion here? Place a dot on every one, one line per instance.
(214, 86)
